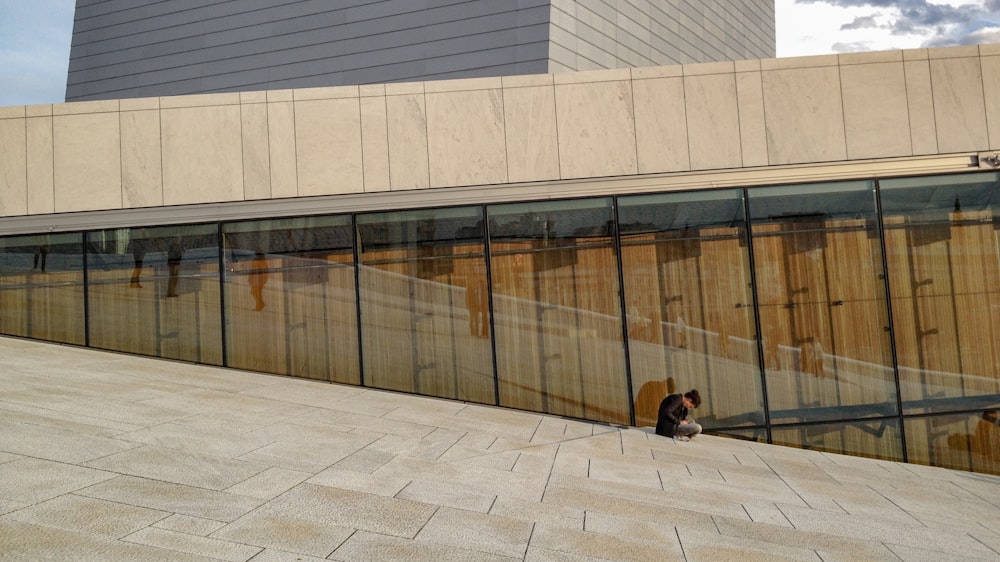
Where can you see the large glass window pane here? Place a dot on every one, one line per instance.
(823, 311)
(962, 441)
(943, 254)
(557, 309)
(878, 439)
(291, 305)
(155, 291)
(424, 303)
(689, 305)
(41, 287)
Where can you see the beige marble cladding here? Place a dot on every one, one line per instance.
(920, 106)
(149, 152)
(406, 118)
(328, 146)
(465, 138)
(804, 113)
(256, 154)
(40, 176)
(959, 107)
(281, 148)
(87, 162)
(375, 143)
(596, 125)
(713, 121)
(142, 170)
(532, 141)
(661, 125)
(753, 133)
(202, 154)
(13, 168)
(876, 126)
(991, 91)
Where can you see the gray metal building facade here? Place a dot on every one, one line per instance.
(141, 48)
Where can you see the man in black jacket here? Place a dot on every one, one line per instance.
(672, 421)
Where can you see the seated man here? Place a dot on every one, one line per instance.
(672, 418)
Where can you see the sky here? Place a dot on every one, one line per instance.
(35, 35)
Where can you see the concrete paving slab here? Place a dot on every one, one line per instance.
(30, 480)
(30, 542)
(90, 516)
(174, 498)
(200, 470)
(601, 546)
(347, 508)
(491, 534)
(189, 525)
(370, 546)
(287, 534)
(192, 544)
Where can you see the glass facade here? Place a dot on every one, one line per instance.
(858, 317)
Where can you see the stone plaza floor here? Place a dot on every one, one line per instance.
(105, 457)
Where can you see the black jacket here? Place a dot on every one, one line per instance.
(672, 411)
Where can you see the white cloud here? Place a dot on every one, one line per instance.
(812, 27)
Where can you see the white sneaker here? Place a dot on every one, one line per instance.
(682, 438)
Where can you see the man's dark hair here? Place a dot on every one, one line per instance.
(694, 397)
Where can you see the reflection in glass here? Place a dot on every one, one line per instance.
(878, 438)
(425, 304)
(943, 256)
(41, 287)
(689, 305)
(969, 441)
(290, 297)
(556, 308)
(821, 293)
(155, 291)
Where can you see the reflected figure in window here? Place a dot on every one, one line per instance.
(41, 255)
(174, 255)
(137, 247)
(258, 278)
(985, 440)
(477, 301)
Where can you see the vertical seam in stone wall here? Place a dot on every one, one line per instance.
(906, 93)
(121, 158)
(763, 110)
(243, 151)
(52, 156)
(361, 139)
(427, 133)
(267, 145)
(687, 124)
(982, 86)
(388, 153)
(555, 112)
(635, 121)
(937, 131)
(739, 122)
(295, 142)
(27, 186)
(159, 126)
(843, 110)
(503, 121)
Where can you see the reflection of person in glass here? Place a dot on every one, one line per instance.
(174, 254)
(985, 440)
(672, 418)
(137, 246)
(477, 301)
(258, 278)
(41, 255)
